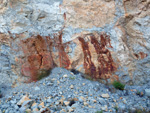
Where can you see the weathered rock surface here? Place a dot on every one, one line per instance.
(43, 53)
(104, 39)
(89, 13)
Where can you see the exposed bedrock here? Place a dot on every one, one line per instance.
(104, 39)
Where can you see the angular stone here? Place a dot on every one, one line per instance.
(104, 108)
(45, 110)
(34, 105)
(49, 100)
(57, 103)
(71, 86)
(105, 95)
(65, 76)
(147, 92)
(66, 103)
(27, 103)
(13, 101)
(28, 111)
(36, 88)
(49, 84)
(70, 110)
(23, 99)
(85, 103)
(41, 105)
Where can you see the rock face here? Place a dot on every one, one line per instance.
(40, 55)
(104, 39)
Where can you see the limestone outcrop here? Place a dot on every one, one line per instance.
(104, 39)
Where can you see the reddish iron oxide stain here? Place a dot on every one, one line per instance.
(63, 57)
(64, 16)
(141, 55)
(38, 54)
(136, 55)
(88, 64)
(36, 57)
(106, 63)
(108, 66)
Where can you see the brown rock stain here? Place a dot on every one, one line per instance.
(44, 53)
(38, 55)
(5, 39)
(106, 65)
(88, 64)
(63, 57)
(141, 55)
(64, 16)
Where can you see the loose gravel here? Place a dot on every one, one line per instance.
(64, 91)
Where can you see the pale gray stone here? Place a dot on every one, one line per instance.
(147, 92)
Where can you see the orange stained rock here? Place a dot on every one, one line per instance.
(44, 53)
